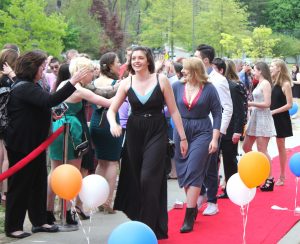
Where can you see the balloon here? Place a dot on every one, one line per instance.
(294, 109)
(66, 181)
(237, 192)
(254, 168)
(132, 232)
(295, 164)
(94, 191)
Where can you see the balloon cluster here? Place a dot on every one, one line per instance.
(253, 170)
(66, 182)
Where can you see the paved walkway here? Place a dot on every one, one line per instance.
(102, 225)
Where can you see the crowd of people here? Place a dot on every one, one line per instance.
(206, 105)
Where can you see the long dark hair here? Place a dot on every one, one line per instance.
(28, 64)
(106, 61)
(149, 56)
(265, 70)
(63, 74)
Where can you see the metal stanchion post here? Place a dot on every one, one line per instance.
(64, 227)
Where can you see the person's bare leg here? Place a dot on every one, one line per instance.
(262, 146)
(248, 143)
(282, 159)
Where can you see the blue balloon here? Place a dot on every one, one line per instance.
(295, 164)
(294, 109)
(132, 232)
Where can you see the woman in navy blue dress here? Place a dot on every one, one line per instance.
(196, 98)
(144, 191)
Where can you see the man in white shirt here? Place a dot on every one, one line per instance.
(207, 53)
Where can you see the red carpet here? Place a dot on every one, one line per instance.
(264, 224)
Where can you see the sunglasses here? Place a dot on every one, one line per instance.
(54, 67)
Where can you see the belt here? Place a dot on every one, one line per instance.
(148, 115)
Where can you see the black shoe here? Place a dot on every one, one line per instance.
(189, 220)
(223, 196)
(50, 218)
(268, 186)
(36, 229)
(71, 218)
(81, 214)
(20, 236)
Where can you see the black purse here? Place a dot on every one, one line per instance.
(81, 148)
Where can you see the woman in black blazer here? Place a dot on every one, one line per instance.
(29, 110)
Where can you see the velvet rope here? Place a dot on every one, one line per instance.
(23, 162)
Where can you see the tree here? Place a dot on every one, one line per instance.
(285, 17)
(108, 18)
(167, 22)
(218, 17)
(288, 46)
(26, 24)
(84, 32)
(260, 44)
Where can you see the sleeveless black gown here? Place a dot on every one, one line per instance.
(142, 188)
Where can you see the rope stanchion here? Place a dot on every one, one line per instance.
(23, 162)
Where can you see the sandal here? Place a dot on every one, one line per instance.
(280, 181)
(81, 214)
(268, 186)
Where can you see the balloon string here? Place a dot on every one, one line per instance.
(83, 229)
(297, 181)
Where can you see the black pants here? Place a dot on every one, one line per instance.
(229, 152)
(27, 190)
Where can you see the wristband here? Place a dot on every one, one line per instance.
(184, 139)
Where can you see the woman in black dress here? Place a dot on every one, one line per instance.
(281, 102)
(144, 190)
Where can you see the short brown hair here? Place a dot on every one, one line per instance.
(28, 64)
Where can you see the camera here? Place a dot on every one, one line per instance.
(60, 109)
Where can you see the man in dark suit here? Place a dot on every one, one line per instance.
(229, 142)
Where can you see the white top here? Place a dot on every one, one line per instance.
(222, 86)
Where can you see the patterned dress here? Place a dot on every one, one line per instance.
(261, 121)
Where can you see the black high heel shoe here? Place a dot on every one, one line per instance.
(81, 214)
(268, 186)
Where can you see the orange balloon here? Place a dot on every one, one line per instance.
(254, 168)
(66, 181)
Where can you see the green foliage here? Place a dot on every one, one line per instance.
(260, 44)
(285, 17)
(217, 18)
(288, 46)
(83, 31)
(26, 24)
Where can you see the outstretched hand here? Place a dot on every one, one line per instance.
(79, 75)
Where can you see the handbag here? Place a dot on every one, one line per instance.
(81, 148)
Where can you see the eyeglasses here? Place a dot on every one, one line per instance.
(54, 67)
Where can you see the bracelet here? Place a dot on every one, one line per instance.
(184, 139)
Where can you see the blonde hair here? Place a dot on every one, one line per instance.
(197, 69)
(283, 75)
(79, 63)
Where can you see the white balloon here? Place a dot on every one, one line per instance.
(238, 192)
(94, 191)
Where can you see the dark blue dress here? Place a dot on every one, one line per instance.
(198, 128)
